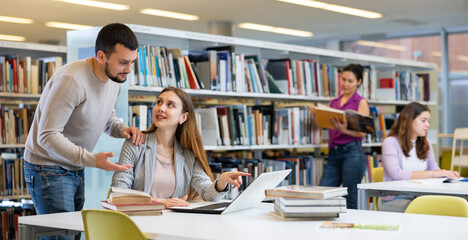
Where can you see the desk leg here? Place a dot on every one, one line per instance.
(362, 199)
(26, 232)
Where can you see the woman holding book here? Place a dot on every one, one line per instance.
(346, 159)
(172, 165)
(407, 154)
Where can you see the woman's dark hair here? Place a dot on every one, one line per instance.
(356, 69)
(112, 34)
(403, 128)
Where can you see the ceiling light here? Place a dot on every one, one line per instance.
(265, 28)
(335, 8)
(169, 14)
(12, 38)
(67, 26)
(16, 20)
(89, 3)
(381, 45)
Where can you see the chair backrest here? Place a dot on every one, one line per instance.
(461, 160)
(377, 174)
(109, 225)
(439, 205)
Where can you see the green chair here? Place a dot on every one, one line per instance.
(377, 176)
(110, 225)
(439, 205)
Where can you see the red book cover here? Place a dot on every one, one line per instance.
(387, 83)
(190, 74)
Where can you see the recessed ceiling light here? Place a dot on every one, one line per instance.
(381, 45)
(67, 25)
(12, 38)
(16, 20)
(266, 28)
(97, 4)
(335, 8)
(169, 14)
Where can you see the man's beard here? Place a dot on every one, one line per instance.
(113, 78)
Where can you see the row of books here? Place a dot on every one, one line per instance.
(12, 175)
(403, 85)
(9, 213)
(295, 201)
(306, 169)
(242, 125)
(256, 125)
(25, 74)
(14, 124)
(222, 69)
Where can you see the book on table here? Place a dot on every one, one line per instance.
(121, 196)
(356, 121)
(153, 205)
(288, 215)
(299, 191)
(290, 202)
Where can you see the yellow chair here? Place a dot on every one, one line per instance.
(439, 205)
(460, 160)
(110, 225)
(377, 176)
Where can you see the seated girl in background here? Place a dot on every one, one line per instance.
(172, 165)
(407, 154)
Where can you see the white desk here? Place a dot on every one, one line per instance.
(258, 224)
(390, 188)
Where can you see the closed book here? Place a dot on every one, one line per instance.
(153, 205)
(144, 213)
(284, 214)
(312, 209)
(289, 202)
(299, 191)
(356, 121)
(123, 196)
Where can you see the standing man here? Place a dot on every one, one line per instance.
(76, 106)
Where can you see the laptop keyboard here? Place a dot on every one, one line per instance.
(214, 206)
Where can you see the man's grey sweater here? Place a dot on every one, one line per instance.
(74, 109)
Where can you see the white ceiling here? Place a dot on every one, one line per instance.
(399, 16)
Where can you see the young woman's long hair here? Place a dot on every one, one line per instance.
(188, 134)
(403, 128)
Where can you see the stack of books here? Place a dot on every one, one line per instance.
(295, 201)
(132, 202)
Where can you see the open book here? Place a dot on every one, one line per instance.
(356, 121)
(122, 196)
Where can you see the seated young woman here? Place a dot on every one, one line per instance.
(407, 154)
(172, 165)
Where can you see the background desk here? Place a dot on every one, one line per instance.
(258, 224)
(367, 190)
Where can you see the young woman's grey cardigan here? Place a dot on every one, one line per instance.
(188, 171)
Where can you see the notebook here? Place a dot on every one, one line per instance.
(249, 198)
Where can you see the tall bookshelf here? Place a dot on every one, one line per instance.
(80, 44)
(12, 100)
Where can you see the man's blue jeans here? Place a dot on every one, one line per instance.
(55, 189)
(346, 165)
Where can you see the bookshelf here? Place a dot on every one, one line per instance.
(17, 102)
(81, 45)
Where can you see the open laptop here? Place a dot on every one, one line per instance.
(249, 198)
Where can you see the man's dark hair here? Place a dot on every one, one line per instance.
(112, 34)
